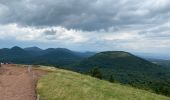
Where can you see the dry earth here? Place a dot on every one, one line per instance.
(18, 82)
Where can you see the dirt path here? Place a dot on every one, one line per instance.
(16, 83)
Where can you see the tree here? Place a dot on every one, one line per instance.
(95, 72)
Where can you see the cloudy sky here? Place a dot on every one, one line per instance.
(93, 25)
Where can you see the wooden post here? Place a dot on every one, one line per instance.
(29, 69)
(38, 97)
(0, 69)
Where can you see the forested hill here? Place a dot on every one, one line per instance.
(129, 69)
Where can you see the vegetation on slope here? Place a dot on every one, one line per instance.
(67, 85)
(126, 68)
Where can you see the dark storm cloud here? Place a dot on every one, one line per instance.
(84, 14)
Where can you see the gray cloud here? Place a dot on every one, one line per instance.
(84, 15)
(50, 32)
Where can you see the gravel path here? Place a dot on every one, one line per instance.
(16, 83)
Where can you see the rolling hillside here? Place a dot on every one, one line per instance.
(126, 68)
(67, 85)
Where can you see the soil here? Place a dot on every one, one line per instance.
(18, 82)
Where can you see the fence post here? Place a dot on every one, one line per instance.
(38, 97)
(29, 68)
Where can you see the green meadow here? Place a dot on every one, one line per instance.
(67, 85)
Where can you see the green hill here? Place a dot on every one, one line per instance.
(116, 60)
(67, 85)
(129, 69)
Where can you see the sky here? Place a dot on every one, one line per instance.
(87, 25)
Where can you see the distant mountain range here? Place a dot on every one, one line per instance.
(163, 56)
(124, 67)
(35, 55)
(160, 59)
(162, 62)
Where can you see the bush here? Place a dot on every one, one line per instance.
(95, 72)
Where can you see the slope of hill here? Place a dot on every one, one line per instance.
(58, 57)
(126, 68)
(67, 85)
(33, 49)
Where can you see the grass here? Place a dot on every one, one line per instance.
(67, 85)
